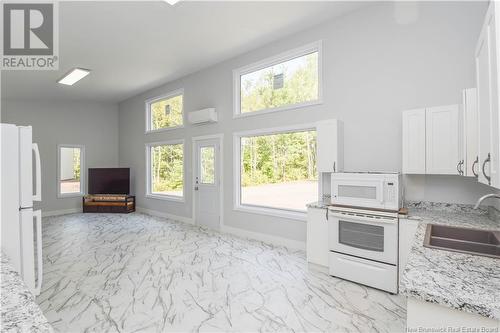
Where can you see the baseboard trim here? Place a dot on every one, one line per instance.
(319, 268)
(275, 240)
(165, 215)
(61, 212)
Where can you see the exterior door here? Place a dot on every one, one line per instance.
(207, 183)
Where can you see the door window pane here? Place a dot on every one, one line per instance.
(69, 170)
(167, 169)
(207, 165)
(287, 83)
(279, 170)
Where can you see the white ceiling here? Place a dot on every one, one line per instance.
(134, 46)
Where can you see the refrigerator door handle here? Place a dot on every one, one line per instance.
(37, 196)
(37, 214)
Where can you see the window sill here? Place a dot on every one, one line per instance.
(165, 197)
(238, 114)
(69, 195)
(166, 129)
(283, 213)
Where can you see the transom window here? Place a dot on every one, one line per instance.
(165, 112)
(276, 172)
(287, 81)
(71, 170)
(165, 170)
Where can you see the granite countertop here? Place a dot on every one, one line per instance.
(461, 281)
(20, 313)
(319, 204)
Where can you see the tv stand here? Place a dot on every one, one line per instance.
(108, 203)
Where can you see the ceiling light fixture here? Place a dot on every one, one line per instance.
(73, 76)
(172, 2)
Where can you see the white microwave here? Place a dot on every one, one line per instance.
(368, 190)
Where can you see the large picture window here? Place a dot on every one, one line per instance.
(71, 170)
(276, 171)
(165, 112)
(165, 166)
(287, 81)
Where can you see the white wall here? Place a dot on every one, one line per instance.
(94, 125)
(373, 69)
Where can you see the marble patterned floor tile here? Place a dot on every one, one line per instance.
(138, 273)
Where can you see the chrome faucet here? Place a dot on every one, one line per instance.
(492, 195)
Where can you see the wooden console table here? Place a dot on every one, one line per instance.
(108, 203)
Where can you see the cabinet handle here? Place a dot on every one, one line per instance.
(327, 214)
(473, 164)
(334, 167)
(488, 159)
(458, 167)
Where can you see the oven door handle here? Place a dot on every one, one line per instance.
(351, 218)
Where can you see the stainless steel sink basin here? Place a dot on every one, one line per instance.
(465, 240)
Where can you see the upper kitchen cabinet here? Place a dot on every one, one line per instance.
(443, 153)
(414, 141)
(470, 134)
(330, 146)
(487, 76)
(432, 141)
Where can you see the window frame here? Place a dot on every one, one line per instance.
(257, 209)
(167, 197)
(149, 119)
(83, 172)
(271, 61)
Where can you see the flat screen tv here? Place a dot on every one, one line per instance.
(109, 180)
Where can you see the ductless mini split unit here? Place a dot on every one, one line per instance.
(204, 116)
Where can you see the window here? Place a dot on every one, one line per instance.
(165, 165)
(287, 81)
(276, 171)
(165, 112)
(71, 170)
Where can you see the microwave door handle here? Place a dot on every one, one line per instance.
(37, 196)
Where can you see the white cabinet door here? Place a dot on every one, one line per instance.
(317, 236)
(487, 77)
(484, 105)
(330, 146)
(407, 231)
(443, 152)
(470, 140)
(414, 141)
(495, 93)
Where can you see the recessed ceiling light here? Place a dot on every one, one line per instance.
(73, 76)
(172, 2)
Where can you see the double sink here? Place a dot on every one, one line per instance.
(465, 240)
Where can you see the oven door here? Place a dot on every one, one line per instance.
(366, 236)
(358, 192)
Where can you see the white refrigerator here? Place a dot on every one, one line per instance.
(20, 182)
